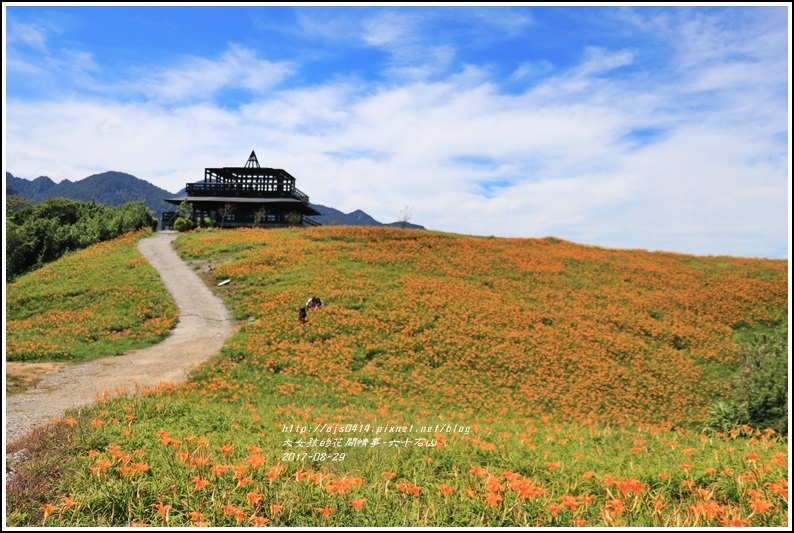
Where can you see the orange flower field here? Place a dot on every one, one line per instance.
(99, 301)
(495, 326)
(449, 380)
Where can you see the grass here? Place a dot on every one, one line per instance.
(450, 381)
(16, 384)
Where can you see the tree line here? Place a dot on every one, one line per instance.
(41, 233)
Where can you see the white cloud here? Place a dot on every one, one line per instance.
(336, 26)
(31, 35)
(533, 70)
(33, 61)
(390, 29)
(200, 78)
(599, 61)
(499, 21)
(558, 159)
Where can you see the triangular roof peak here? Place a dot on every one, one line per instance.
(253, 162)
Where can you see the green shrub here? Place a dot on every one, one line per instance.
(723, 416)
(183, 224)
(760, 393)
(763, 384)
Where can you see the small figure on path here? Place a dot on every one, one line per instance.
(302, 315)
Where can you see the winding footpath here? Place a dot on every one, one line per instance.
(204, 326)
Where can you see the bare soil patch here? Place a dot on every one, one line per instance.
(22, 376)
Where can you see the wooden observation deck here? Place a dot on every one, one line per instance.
(247, 196)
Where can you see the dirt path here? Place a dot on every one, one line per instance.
(203, 327)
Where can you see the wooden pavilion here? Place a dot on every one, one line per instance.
(245, 197)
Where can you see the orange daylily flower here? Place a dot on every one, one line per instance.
(446, 490)
(48, 509)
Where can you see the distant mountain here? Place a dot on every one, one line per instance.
(331, 216)
(109, 188)
(407, 225)
(116, 188)
(28, 189)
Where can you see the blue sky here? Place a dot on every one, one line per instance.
(627, 126)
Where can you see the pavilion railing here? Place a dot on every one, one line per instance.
(242, 189)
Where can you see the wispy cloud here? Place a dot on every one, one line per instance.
(199, 78)
(600, 61)
(32, 61)
(501, 21)
(29, 35)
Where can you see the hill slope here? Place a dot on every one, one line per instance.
(525, 325)
(448, 381)
(520, 325)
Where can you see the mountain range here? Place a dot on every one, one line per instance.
(117, 188)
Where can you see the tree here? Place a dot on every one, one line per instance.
(763, 388)
(20, 247)
(132, 216)
(185, 209)
(14, 203)
(294, 218)
(225, 211)
(405, 215)
(259, 216)
(43, 232)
